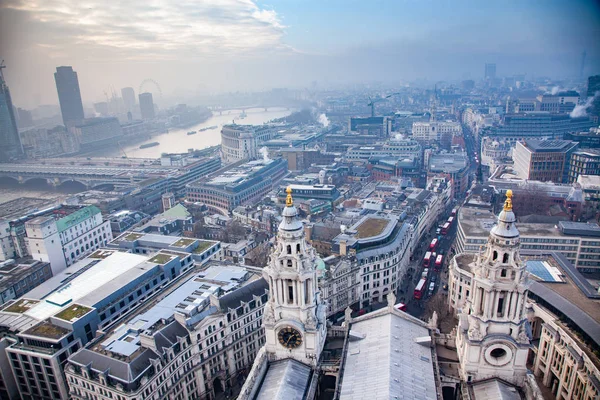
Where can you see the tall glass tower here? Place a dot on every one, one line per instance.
(69, 96)
(10, 141)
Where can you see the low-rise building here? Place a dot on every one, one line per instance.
(578, 242)
(194, 340)
(376, 126)
(328, 193)
(96, 131)
(18, 278)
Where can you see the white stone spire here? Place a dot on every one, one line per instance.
(294, 317)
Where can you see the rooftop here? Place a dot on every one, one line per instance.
(371, 227)
(48, 330)
(73, 312)
(20, 306)
(12, 274)
(23, 206)
(546, 146)
(390, 357)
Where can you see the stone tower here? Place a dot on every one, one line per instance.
(495, 343)
(294, 316)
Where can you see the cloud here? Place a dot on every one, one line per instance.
(155, 30)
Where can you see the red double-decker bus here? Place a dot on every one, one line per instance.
(438, 262)
(433, 244)
(420, 289)
(445, 228)
(427, 259)
(453, 212)
(450, 220)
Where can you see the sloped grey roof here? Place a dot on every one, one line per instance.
(285, 380)
(494, 389)
(388, 362)
(117, 369)
(245, 293)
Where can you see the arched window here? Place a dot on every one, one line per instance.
(298, 248)
(503, 272)
(289, 263)
(495, 256)
(505, 258)
(289, 249)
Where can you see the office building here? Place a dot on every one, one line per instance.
(10, 142)
(453, 166)
(300, 159)
(24, 118)
(381, 245)
(543, 160)
(584, 162)
(577, 241)
(194, 340)
(66, 235)
(589, 139)
(146, 106)
(242, 184)
(327, 193)
(593, 85)
(518, 313)
(128, 95)
(168, 201)
(242, 142)
(380, 127)
(18, 278)
(489, 73)
(43, 142)
(69, 96)
(440, 132)
(61, 315)
(538, 125)
(94, 132)
(562, 102)
(393, 148)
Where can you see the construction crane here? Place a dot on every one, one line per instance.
(373, 101)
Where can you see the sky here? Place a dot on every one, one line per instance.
(211, 46)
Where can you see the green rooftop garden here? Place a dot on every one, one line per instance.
(101, 254)
(371, 227)
(131, 237)
(161, 258)
(46, 329)
(203, 245)
(183, 242)
(21, 306)
(72, 312)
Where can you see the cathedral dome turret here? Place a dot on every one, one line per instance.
(505, 227)
(290, 220)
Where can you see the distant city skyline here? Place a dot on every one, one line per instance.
(244, 45)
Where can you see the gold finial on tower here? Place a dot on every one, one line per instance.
(289, 201)
(508, 201)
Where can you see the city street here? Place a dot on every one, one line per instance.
(406, 292)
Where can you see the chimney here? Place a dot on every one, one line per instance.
(342, 247)
(308, 229)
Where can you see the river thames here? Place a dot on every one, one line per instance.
(178, 141)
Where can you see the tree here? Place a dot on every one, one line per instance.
(259, 256)
(439, 304)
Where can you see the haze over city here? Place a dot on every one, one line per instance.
(299, 200)
(240, 45)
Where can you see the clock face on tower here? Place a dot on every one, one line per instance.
(289, 337)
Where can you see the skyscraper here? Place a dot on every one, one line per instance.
(69, 95)
(128, 98)
(146, 105)
(10, 142)
(490, 71)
